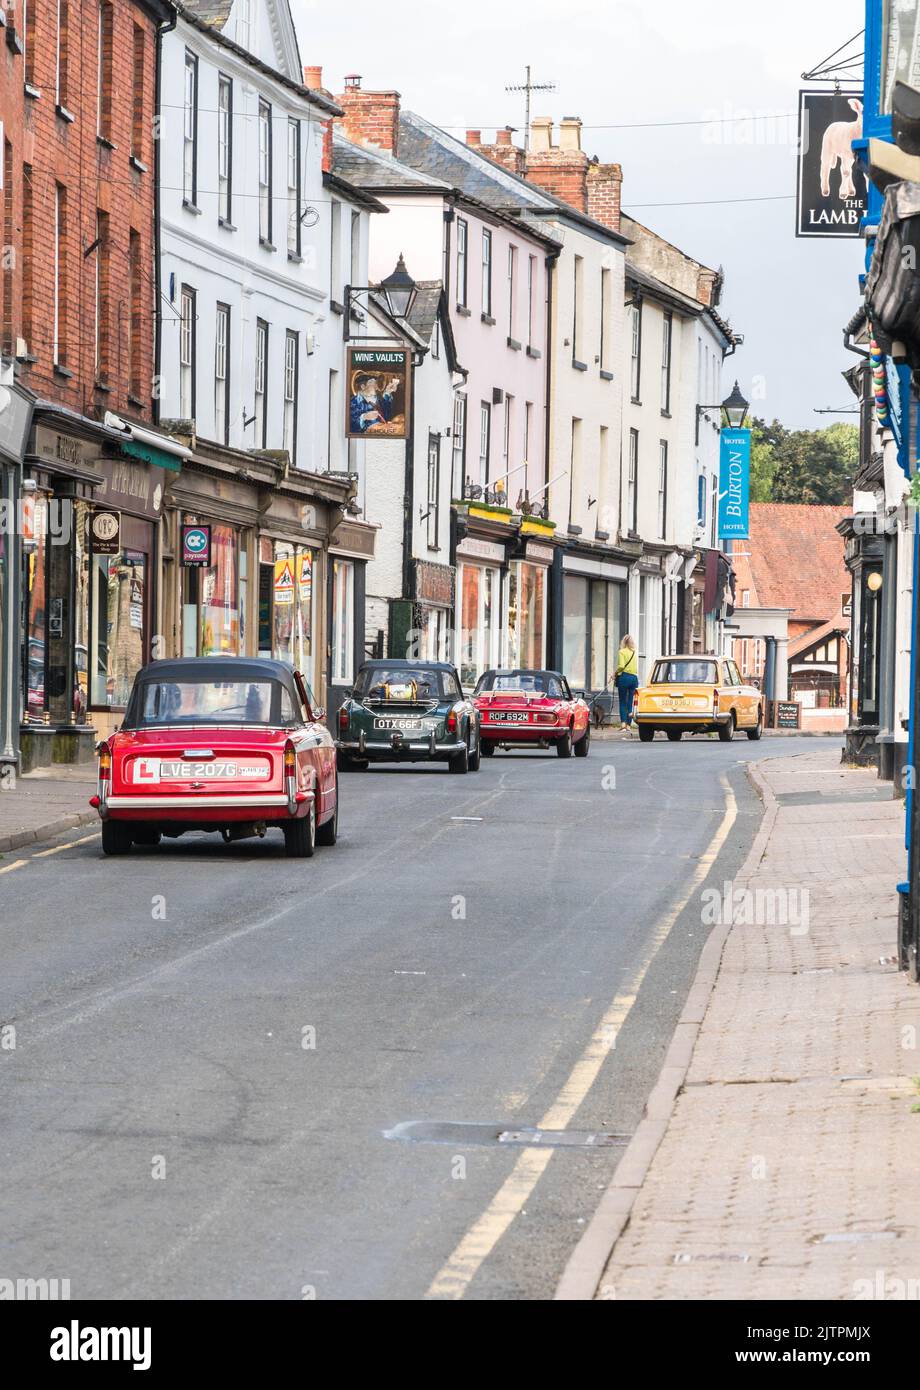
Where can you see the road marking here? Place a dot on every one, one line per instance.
(455, 1277)
(10, 867)
(70, 845)
(466, 817)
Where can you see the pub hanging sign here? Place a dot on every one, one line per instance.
(379, 385)
(831, 188)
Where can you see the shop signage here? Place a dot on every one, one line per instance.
(351, 538)
(284, 581)
(787, 714)
(734, 482)
(542, 554)
(481, 550)
(196, 546)
(831, 188)
(379, 390)
(105, 531)
(434, 583)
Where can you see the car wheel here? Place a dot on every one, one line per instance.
(646, 733)
(564, 745)
(116, 837)
(328, 832)
(300, 836)
(755, 733)
(487, 749)
(146, 835)
(675, 735)
(460, 762)
(727, 730)
(346, 763)
(476, 756)
(584, 743)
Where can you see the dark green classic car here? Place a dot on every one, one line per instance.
(408, 711)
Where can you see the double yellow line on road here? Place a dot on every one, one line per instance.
(455, 1277)
(43, 853)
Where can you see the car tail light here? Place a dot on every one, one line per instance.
(105, 762)
(715, 702)
(343, 720)
(452, 722)
(290, 759)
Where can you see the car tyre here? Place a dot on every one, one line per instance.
(584, 743)
(346, 763)
(564, 745)
(646, 733)
(460, 762)
(675, 735)
(146, 835)
(727, 730)
(487, 749)
(300, 836)
(116, 838)
(328, 832)
(476, 757)
(755, 733)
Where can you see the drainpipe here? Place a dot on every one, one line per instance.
(409, 489)
(547, 412)
(162, 29)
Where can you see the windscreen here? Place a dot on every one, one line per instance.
(404, 683)
(533, 682)
(208, 702)
(685, 673)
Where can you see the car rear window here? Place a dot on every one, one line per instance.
(685, 673)
(209, 702)
(405, 683)
(535, 682)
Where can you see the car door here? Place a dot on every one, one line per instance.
(746, 698)
(318, 748)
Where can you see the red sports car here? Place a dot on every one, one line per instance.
(531, 709)
(224, 744)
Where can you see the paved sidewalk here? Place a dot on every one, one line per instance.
(778, 1157)
(43, 805)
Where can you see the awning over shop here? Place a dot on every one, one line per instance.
(149, 453)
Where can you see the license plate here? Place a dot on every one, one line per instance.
(147, 770)
(407, 726)
(509, 716)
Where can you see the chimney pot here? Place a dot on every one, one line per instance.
(503, 137)
(474, 137)
(570, 133)
(541, 134)
(353, 79)
(313, 78)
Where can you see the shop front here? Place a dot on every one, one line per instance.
(482, 604)
(528, 605)
(432, 610)
(15, 422)
(91, 520)
(865, 559)
(351, 546)
(595, 614)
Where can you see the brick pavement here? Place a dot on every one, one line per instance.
(787, 1166)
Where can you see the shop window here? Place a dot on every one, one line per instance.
(35, 582)
(211, 616)
(343, 589)
(118, 621)
(292, 605)
(527, 615)
(574, 623)
(480, 621)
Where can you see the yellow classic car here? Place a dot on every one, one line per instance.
(697, 694)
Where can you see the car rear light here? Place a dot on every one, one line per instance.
(452, 722)
(105, 762)
(343, 720)
(290, 759)
(715, 702)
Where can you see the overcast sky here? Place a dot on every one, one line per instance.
(614, 63)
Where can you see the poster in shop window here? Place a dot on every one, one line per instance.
(378, 388)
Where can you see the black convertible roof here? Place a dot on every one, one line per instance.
(217, 668)
(402, 663)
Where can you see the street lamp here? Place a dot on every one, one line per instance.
(399, 290)
(735, 407)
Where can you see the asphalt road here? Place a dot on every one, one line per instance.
(169, 1130)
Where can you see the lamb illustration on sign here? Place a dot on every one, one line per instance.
(837, 147)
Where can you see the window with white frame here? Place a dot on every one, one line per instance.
(531, 285)
(662, 488)
(187, 336)
(506, 439)
(104, 69)
(335, 250)
(462, 261)
(261, 384)
(485, 433)
(528, 424)
(224, 147)
(265, 172)
(343, 591)
(59, 349)
(512, 267)
(293, 179)
(222, 374)
(667, 326)
(291, 365)
(244, 23)
(434, 486)
(458, 444)
(635, 351)
(487, 272)
(632, 482)
(354, 249)
(190, 131)
(578, 307)
(605, 320)
(61, 53)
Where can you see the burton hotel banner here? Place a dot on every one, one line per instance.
(734, 483)
(831, 191)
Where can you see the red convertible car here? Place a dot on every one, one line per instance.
(531, 708)
(217, 743)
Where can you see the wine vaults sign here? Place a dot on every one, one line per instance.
(734, 482)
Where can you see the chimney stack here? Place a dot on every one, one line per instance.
(371, 118)
(560, 169)
(604, 194)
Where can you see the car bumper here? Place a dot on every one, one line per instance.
(522, 733)
(380, 750)
(687, 718)
(213, 808)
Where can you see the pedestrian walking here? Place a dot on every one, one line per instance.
(627, 679)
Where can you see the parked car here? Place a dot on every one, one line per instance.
(225, 744)
(697, 694)
(408, 711)
(537, 709)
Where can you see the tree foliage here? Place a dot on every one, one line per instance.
(814, 466)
